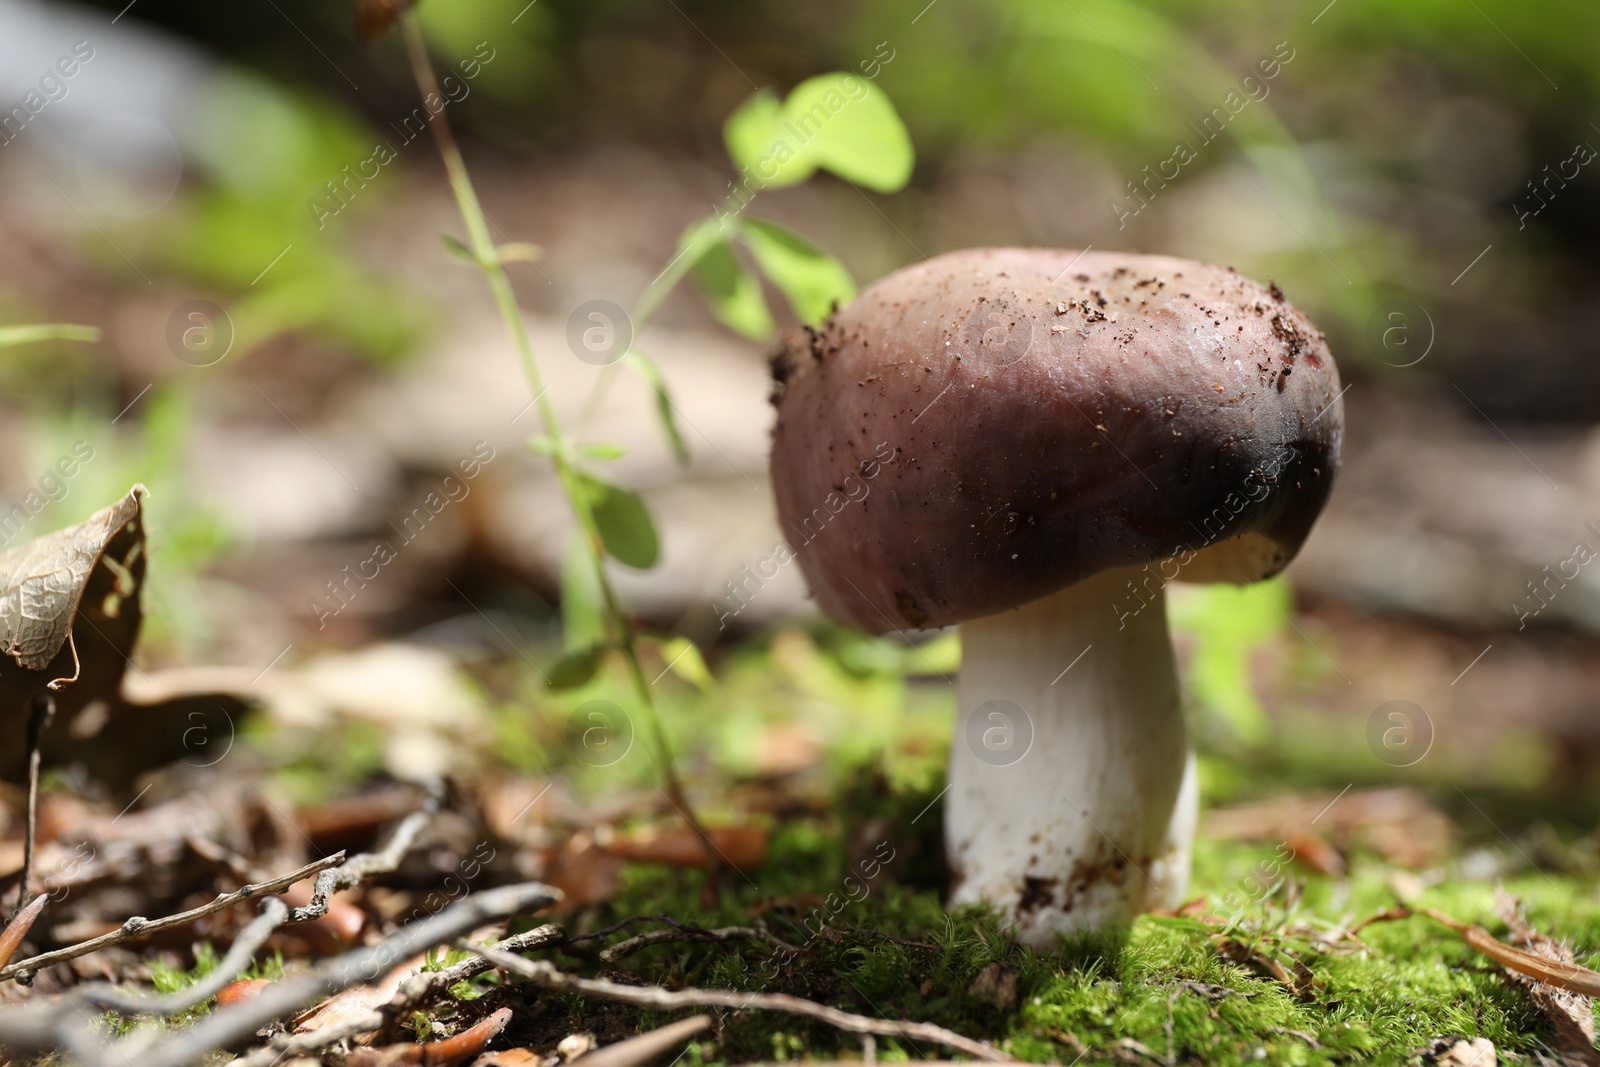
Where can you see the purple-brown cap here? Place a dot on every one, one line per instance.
(990, 426)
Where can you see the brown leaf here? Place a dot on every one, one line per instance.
(1560, 973)
(1570, 1014)
(42, 582)
(443, 1053)
(585, 873)
(1311, 850)
(743, 847)
(996, 984)
(18, 928)
(70, 611)
(1400, 823)
(243, 989)
(1299, 981)
(357, 1002)
(511, 1057)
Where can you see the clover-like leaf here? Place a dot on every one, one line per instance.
(813, 281)
(837, 122)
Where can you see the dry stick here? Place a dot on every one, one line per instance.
(285, 1047)
(243, 950)
(138, 926)
(39, 716)
(383, 861)
(412, 991)
(234, 1022)
(546, 975)
(1568, 976)
(661, 937)
(637, 1051)
(493, 268)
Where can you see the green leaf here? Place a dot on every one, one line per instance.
(684, 659)
(577, 668)
(750, 130)
(460, 251)
(540, 445)
(813, 281)
(734, 293)
(602, 450)
(838, 122)
(847, 125)
(646, 368)
(22, 335)
(582, 617)
(624, 521)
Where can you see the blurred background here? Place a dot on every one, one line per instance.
(1419, 176)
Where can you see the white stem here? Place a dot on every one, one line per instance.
(1072, 796)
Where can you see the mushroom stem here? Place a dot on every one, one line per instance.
(1072, 793)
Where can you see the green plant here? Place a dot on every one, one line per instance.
(835, 122)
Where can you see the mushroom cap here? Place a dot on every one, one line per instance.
(990, 426)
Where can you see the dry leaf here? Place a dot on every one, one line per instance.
(1401, 823)
(1311, 850)
(69, 612)
(511, 1057)
(996, 984)
(442, 1053)
(1298, 980)
(744, 847)
(243, 989)
(1560, 973)
(70, 607)
(357, 1002)
(1571, 1014)
(1478, 1052)
(585, 873)
(18, 928)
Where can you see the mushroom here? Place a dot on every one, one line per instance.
(1031, 443)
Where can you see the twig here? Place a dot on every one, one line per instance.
(661, 937)
(620, 924)
(60, 1023)
(417, 987)
(285, 1047)
(383, 861)
(892, 940)
(102, 995)
(39, 716)
(412, 991)
(138, 926)
(546, 975)
(636, 1051)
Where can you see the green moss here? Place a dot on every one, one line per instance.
(1161, 986)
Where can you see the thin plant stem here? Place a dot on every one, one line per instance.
(561, 450)
(39, 715)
